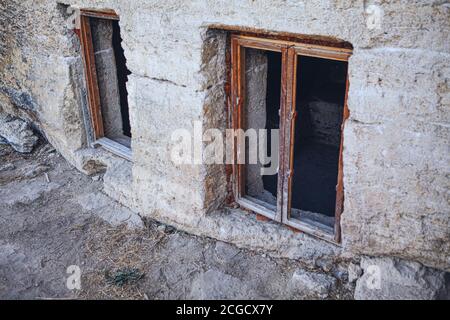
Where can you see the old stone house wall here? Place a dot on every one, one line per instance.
(396, 141)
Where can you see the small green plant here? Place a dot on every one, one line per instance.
(124, 276)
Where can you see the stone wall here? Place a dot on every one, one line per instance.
(396, 159)
(41, 75)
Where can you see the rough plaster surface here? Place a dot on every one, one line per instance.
(396, 172)
(41, 72)
(393, 279)
(213, 285)
(310, 283)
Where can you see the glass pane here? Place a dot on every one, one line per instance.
(321, 85)
(262, 122)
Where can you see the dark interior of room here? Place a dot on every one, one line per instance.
(321, 86)
(122, 77)
(273, 96)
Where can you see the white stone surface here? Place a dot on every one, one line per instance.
(25, 192)
(213, 285)
(394, 279)
(17, 133)
(312, 285)
(109, 211)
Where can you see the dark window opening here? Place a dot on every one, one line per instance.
(321, 87)
(273, 112)
(262, 105)
(122, 77)
(112, 76)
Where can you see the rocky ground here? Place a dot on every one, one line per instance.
(53, 217)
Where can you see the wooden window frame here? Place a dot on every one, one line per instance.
(290, 51)
(93, 93)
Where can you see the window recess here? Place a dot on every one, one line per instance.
(106, 76)
(301, 90)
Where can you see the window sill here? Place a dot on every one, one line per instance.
(313, 228)
(307, 225)
(114, 147)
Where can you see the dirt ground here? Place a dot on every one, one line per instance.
(53, 217)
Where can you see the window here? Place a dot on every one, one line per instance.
(106, 77)
(299, 89)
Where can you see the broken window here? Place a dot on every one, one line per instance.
(262, 89)
(106, 77)
(300, 90)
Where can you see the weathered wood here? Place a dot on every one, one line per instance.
(101, 14)
(289, 129)
(313, 228)
(320, 52)
(238, 103)
(256, 206)
(258, 43)
(91, 77)
(235, 110)
(340, 180)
